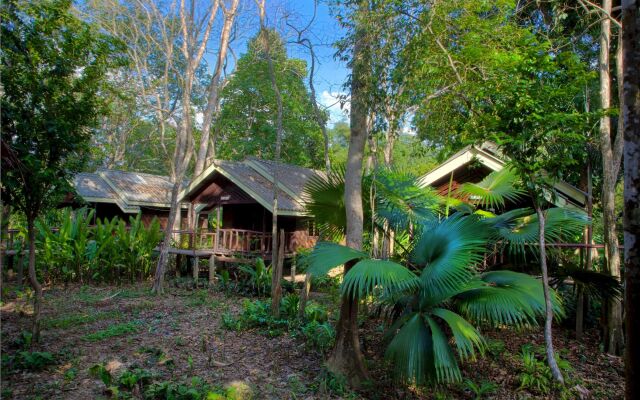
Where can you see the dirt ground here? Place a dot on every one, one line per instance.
(179, 335)
(181, 326)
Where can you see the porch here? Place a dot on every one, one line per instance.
(236, 245)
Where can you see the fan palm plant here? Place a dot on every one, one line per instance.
(438, 298)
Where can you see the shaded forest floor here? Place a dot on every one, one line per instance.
(170, 339)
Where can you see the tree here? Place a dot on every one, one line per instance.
(611, 150)
(631, 121)
(53, 66)
(346, 357)
(249, 108)
(277, 258)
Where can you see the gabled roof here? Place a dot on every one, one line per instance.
(255, 177)
(129, 190)
(488, 155)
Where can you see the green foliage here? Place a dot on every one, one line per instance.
(75, 320)
(314, 311)
(107, 252)
(494, 190)
(139, 380)
(330, 383)
(113, 331)
(317, 332)
(319, 335)
(50, 80)
(481, 390)
(249, 96)
(434, 302)
(257, 277)
(28, 361)
(536, 375)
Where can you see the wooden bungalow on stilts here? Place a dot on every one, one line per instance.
(230, 212)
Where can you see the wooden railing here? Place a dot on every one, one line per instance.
(243, 241)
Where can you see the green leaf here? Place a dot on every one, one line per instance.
(326, 256)
(367, 275)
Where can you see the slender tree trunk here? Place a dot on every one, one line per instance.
(630, 114)
(33, 280)
(346, 357)
(163, 258)
(304, 295)
(4, 235)
(276, 287)
(214, 86)
(548, 321)
(611, 165)
(582, 301)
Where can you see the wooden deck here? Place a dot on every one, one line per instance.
(235, 244)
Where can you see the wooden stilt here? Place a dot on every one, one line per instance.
(212, 269)
(196, 270)
(304, 294)
(293, 271)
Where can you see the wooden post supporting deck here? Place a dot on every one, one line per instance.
(293, 271)
(212, 269)
(304, 295)
(196, 270)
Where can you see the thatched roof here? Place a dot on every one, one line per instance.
(255, 177)
(129, 190)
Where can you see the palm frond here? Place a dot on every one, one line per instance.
(411, 352)
(448, 250)
(493, 191)
(326, 256)
(324, 199)
(519, 229)
(445, 361)
(367, 275)
(400, 200)
(595, 284)
(466, 336)
(505, 297)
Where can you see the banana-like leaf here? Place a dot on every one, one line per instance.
(327, 255)
(367, 275)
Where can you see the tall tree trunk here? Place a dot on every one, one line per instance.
(163, 258)
(611, 165)
(277, 260)
(346, 357)
(548, 321)
(214, 86)
(33, 280)
(630, 114)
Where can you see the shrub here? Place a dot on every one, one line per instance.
(28, 361)
(257, 314)
(113, 330)
(320, 336)
(108, 252)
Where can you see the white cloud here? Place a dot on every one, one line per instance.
(337, 104)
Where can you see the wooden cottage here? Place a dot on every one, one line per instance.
(474, 163)
(122, 194)
(233, 203)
